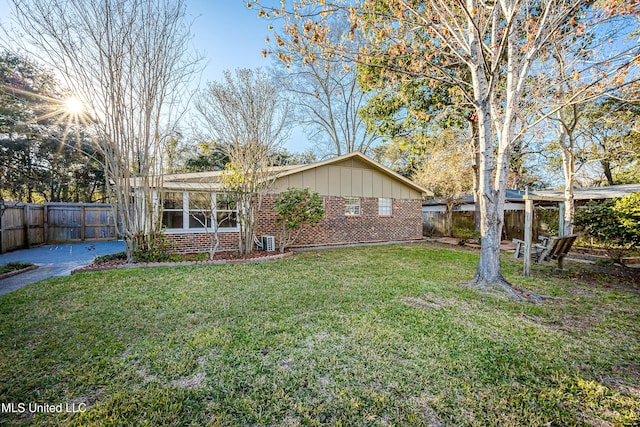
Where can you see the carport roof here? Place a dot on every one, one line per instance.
(587, 193)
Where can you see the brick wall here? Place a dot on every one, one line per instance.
(187, 243)
(335, 228)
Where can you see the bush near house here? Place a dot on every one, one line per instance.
(294, 209)
(614, 223)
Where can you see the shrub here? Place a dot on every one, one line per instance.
(101, 259)
(614, 223)
(295, 208)
(14, 266)
(158, 249)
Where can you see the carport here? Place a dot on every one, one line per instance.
(581, 197)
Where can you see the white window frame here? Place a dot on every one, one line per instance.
(352, 206)
(186, 214)
(161, 204)
(385, 206)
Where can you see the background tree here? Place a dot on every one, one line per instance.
(209, 157)
(294, 209)
(446, 169)
(247, 115)
(127, 61)
(45, 155)
(612, 131)
(326, 94)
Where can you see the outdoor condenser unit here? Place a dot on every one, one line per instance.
(268, 243)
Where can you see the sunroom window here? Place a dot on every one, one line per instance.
(190, 210)
(199, 210)
(172, 209)
(226, 212)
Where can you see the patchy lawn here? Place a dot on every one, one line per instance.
(362, 336)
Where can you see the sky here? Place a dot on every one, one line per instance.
(230, 36)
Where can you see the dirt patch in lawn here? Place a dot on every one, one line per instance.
(609, 277)
(428, 302)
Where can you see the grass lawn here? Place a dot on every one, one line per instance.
(361, 336)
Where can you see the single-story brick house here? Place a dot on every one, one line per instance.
(364, 202)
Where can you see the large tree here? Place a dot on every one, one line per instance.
(612, 131)
(44, 155)
(247, 116)
(497, 44)
(128, 62)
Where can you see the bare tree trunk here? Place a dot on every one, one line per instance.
(568, 169)
(488, 273)
(606, 169)
(128, 61)
(448, 220)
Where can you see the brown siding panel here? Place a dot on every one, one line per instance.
(309, 179)
(346, 186)
(334, 181)
(295, 181)
(322, 181)
(356, 183)
(367, 183)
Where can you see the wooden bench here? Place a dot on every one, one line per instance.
(549, 248)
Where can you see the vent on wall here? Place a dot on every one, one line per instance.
(268, 243)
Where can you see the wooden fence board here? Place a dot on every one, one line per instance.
(23, 225)
(433, 224)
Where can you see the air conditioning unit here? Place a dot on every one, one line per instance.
(268, 243)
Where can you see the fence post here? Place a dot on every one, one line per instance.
(26, 225)
(45, 223)
(82, 221)
(2, 210)
(528, 228)
(561, 208)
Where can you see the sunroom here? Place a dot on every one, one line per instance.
(197, 212)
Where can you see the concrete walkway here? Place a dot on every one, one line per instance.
(54, 260)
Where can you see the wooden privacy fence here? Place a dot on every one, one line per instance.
(23, 225)
(463, 224)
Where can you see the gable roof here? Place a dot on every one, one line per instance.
(209, 180)
(365, 159)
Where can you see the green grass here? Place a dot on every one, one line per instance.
(13, 266)
(361, 336)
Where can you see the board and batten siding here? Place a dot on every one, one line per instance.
(348, 178)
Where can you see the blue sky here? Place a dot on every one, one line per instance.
(229, 35)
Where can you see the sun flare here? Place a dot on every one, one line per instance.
(73, 105)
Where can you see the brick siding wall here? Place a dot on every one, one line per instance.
(188, 243)
(335, 228)
(405, 223)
